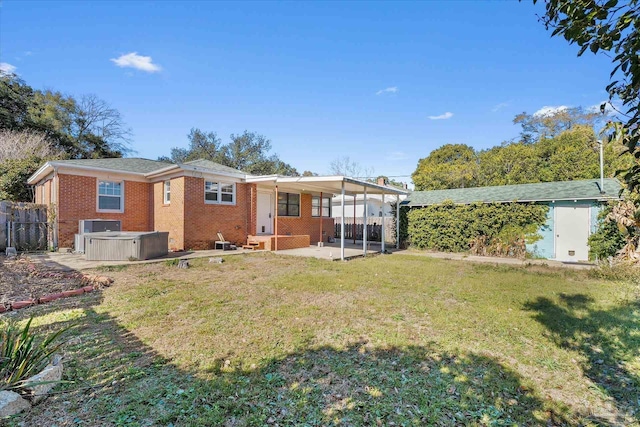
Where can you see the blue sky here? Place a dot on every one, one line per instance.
(384, 83)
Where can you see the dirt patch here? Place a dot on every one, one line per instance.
(21, 279)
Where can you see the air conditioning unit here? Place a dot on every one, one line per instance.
(98, 225)
(93, 226)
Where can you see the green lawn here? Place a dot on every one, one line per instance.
(394, 340)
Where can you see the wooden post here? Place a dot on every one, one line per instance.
(275, 220)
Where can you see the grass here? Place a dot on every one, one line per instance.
(394, 340)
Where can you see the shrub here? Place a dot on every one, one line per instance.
(608, 239)
(493, 228)
(21, 356)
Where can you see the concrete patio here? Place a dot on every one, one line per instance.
(331, 251)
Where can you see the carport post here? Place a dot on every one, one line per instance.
(382, 229)
(364, 223)
(275, 221)
(342, 224)
(398, 221)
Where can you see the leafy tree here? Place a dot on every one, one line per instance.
(552, 123)
(613, 29)
(450, 166)
(309, 173)
(248, 152)
(16, 98)
(509, 163)
(608, 238)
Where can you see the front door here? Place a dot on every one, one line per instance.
(572, 233)
(264, 219)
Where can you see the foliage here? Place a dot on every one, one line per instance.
(404, 221)
(608, 239)
(549, 124)
(563, 148)
(453, 228)
(248, 152)
(613, 29)
(450, 166)
(21, 356)
(84, 127)
(626, 216)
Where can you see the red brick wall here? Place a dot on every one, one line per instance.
(77, 200)
(305, 224)
(203, 221)
(170, 217)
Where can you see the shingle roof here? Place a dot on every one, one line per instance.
(125, 164)
(545, 191)
(213, 166)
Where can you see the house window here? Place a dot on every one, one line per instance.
(218, 192)
(167, 192)
(326, 206)
(110, 196)
(288, 204)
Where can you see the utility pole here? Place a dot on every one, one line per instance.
(601, 166)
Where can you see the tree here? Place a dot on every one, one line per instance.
(248, 152)
(450, 166)
(605, 26)
(549, 124)
(21, 154)
(509, 163)
(344, 166)
(84, 128)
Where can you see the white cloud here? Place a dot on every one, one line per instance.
(609, 109)
(499, 107)
(397, 155)
(444, 116)
(6, 68)
(139, 62)
(392, 89)
(547, 110)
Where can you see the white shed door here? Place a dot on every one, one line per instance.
(572, 233)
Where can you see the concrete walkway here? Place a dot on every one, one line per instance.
(71, 261)
(496, 260)
(331, 251)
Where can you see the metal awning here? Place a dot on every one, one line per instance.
(341, 185)
(325, 184)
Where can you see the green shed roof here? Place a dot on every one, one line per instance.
(545, 191)
(121, 164)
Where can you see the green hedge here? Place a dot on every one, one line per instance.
(451, 228)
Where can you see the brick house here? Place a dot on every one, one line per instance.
(192, 201)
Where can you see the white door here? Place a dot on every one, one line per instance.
(572, 233)
(265, 213)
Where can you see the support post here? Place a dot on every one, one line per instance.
(320, 215)
(398, 221)
(275, 221)
(354, 228)
(364, 223)
(342, 224)
(382, 229)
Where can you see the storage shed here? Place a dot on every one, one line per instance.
(573, 210)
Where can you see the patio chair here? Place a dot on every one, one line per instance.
(224, 244)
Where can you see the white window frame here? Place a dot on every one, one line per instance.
(166, 191)
(324, 206)
(121, 210)
(219, 193)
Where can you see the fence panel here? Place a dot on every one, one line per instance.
(374, 229)
(23, 226)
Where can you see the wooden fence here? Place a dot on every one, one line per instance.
(23, 226)
(374, 229)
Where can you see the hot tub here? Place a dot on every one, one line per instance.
(123, 245)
